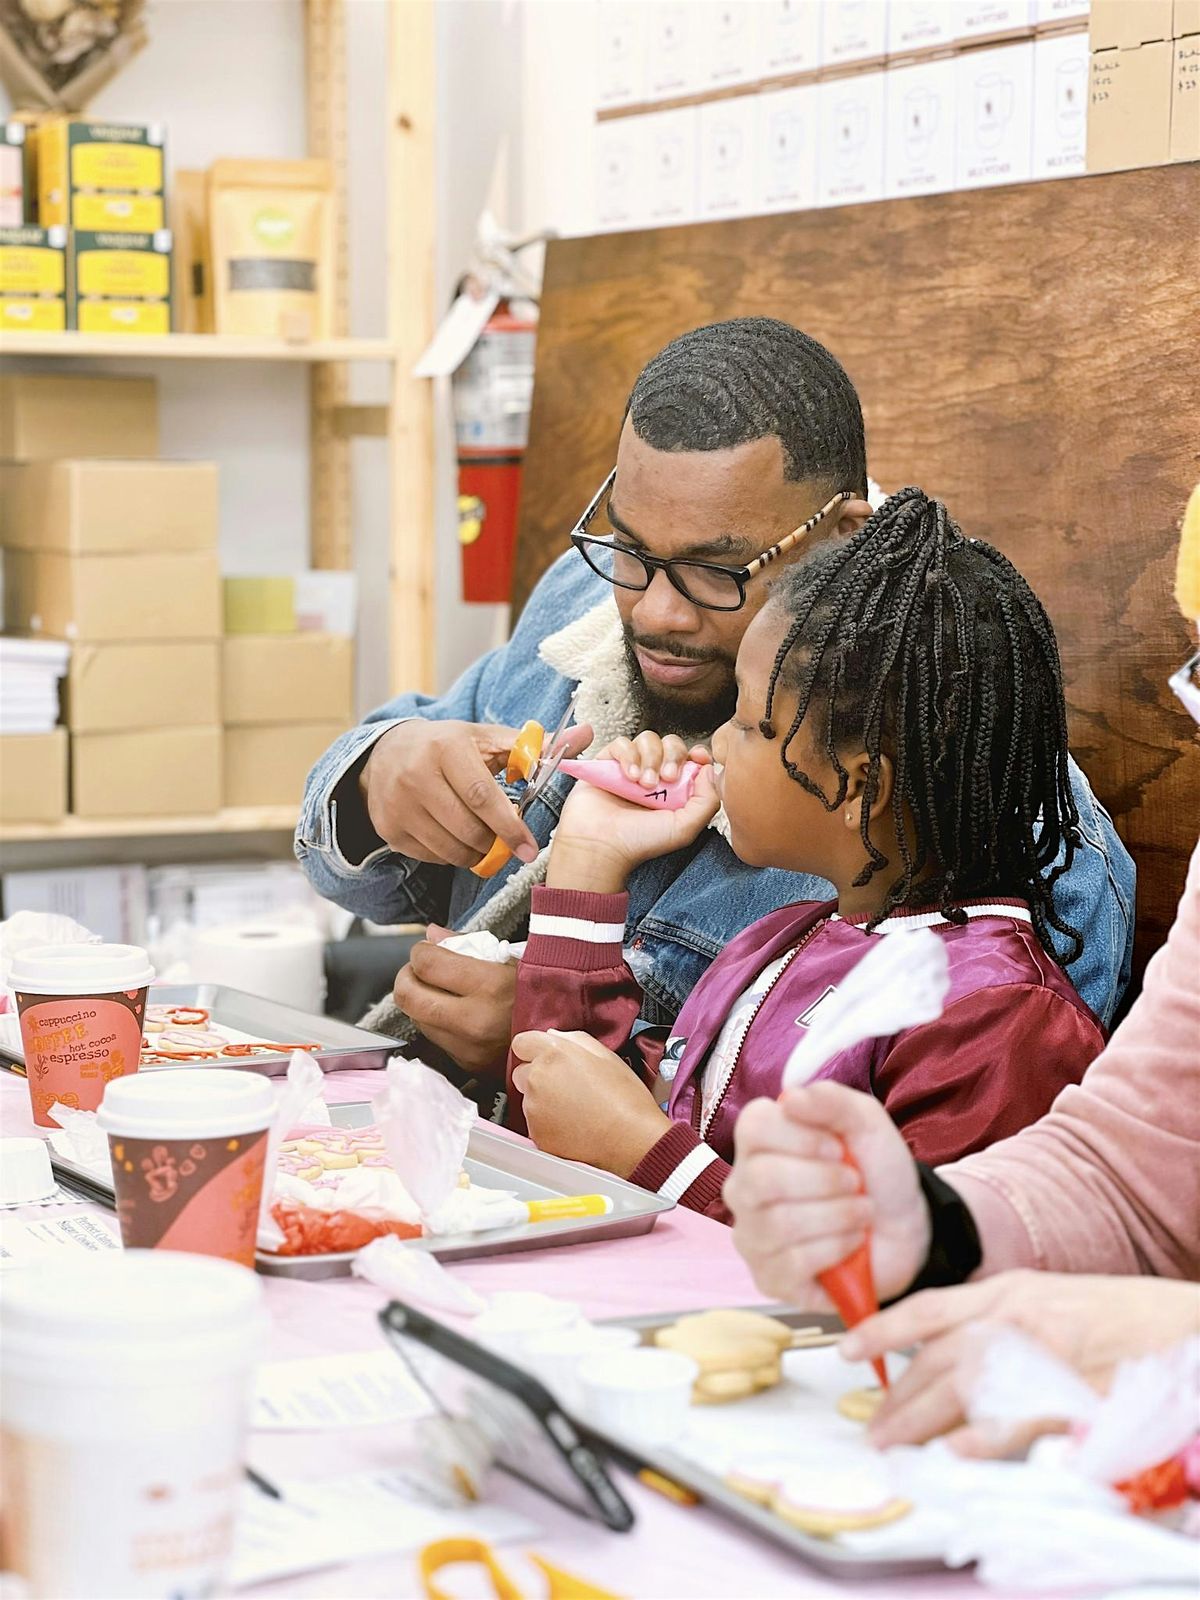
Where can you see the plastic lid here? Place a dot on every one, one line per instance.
(80, 969)
(193, 1103)
(138, 1295)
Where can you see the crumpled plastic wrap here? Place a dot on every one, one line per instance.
(299, 1100)
(417, 1278)
(901, 982)
(25, 930)
(426, 1125)
(483, 946)
(1061, 1520)
(82, 1140)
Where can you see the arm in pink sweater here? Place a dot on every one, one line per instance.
(1109, 1179)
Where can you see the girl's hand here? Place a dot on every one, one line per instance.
(601, 838)
(583, 1102)
(796, 1206)
(1092, 1323)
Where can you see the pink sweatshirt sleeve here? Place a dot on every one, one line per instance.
(1109, 1179)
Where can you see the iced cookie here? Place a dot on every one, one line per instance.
(738, 1352)
(860, 1405)
(826, 1501)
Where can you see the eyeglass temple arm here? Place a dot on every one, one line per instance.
(581, 525)
(792, 539)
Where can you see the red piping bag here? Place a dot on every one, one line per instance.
(851, 1284)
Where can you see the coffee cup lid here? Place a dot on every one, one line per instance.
(188, 1102)
(80, 969)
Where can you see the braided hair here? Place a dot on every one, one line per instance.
(911, 641)
(750, 378)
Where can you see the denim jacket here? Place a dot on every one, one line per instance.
(683, 908)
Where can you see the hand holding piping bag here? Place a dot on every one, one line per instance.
(900, 983)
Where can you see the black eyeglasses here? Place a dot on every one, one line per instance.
(704, 583)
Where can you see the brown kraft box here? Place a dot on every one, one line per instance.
(33, 776)
(267, 766)
(109, 507)
(111, 688)
(44, 415)
(162, 772)
(100, 599)
(1124, 24)
(1129, 115)
(278, 677)
(1185, 99)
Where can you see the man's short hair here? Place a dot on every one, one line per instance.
(753, 377)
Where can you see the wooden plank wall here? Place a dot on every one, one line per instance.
(1031, 355)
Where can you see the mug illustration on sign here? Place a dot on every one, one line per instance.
(851, 133)
(921, 109)
(1070, 103)
(725, 148)
(994, 96)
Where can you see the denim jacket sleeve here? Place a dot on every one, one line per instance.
(1096, 897)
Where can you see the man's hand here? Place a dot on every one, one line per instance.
(1092, 1323)
(796, 1208)
(462, 1005)
(430, 791)
(601, 838)
(583, 1102)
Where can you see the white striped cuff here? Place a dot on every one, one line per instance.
(686, 1173)
(551, 927)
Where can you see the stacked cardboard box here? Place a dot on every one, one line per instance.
(1145, 83)
(285, 698)
(119, 556)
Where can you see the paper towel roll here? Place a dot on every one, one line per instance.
(284, 962)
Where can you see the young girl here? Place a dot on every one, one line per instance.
(900, 731)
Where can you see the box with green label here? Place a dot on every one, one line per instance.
(101, 176)
(120, 282)
(33, 280)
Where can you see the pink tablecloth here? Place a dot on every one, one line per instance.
(692, 1554)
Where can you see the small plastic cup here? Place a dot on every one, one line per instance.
(188, 1151)
(555, 1357)
(81, 1007)
(517, 1317)
(642, 1394)
(124, 1389)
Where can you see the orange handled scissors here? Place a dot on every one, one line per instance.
(532, 761)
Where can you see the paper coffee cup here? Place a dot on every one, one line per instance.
(188, 1150)
(81, 1008)
(124, 1389)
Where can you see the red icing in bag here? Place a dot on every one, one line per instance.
(851, 1285)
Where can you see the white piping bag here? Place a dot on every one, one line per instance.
(900, 983)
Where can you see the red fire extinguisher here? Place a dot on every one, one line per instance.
(492, 393)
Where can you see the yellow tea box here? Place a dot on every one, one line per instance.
(33, 280)
(271, 226)
(120, 282)
(101, 175)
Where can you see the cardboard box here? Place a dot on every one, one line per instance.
(1124, 24)
(620, 54)
(300, 677)
(1185, 18)
(994, 19)
(12, 174)
(619, 173)
(114, 688)
(33, 277)
(268, 766)
(1185, 99)
(259, 605)
(33, 777)
(727, 156)
(672, 49)
(120, 282)
(853, 31)
(671, 165)
(920, 128)
(1061, 13)
(729, 43)
(191, 256)
(164, 772)
(1061, 63)
(995, 116)
(850, 145)
(105, 507)
(787, 148)
(921, 25)
(98, 599)
(789, 40)
(43, 415)
(1129, 108)
(96, 175)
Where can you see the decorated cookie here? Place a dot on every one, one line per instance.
(828, 1500)
(860, 1405)
(738, 1352)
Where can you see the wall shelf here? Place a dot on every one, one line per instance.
(241, 819)
(193, 347)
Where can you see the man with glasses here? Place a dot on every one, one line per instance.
(742, 447)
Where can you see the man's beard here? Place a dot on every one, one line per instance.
(663, 712)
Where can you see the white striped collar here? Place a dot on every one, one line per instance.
(897, 923)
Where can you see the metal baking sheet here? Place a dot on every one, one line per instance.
(837, 1556)
(343, 1046)
(492, 1159)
